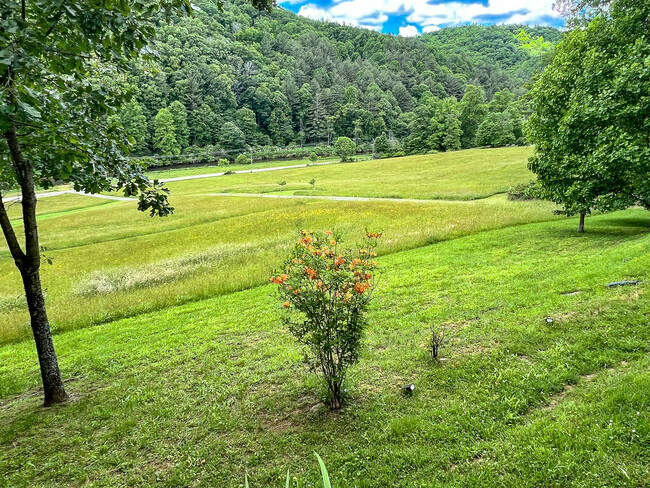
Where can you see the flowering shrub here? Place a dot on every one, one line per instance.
(325, 290)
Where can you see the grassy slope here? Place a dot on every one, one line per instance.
(196, 394)
(460, 175)
(214, 245)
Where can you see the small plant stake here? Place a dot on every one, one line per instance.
(438, 338)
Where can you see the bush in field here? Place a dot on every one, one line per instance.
(223, 162)
(382, 147)
(524, 191)
(325, 290)
(313, 157)
(243, 159)
(345, 148)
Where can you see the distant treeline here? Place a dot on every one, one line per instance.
(224, 81)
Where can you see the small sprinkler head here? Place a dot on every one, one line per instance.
(408, 389)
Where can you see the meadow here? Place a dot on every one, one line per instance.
(214, 245)
(196, 395)
(198, 382)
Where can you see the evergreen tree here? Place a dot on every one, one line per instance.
(204, 126)
(164, 133)
(179, 114)
(135, 124)
(317, 126)
(245, 120)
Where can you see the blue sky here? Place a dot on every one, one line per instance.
(413, 17)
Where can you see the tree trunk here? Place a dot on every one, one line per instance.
(581, 224)
(54, 391)
(28, 263)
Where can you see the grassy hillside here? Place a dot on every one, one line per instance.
(111, 261)
(197, 394)
(459, 175)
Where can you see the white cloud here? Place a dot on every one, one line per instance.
(420, 12)
(430, 28)
(408, 31)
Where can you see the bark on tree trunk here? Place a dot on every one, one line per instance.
(581, 225)
(54, 391)
(28, 263)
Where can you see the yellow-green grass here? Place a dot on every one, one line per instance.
(212, 245)
(49, 207)
(460, 175)
(164, 173)
(197, 395)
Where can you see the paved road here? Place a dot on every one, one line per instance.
(168, 180)
(72, 192)
(243, 171)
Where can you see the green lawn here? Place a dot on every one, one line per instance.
(111, 261)
(460, 175)
(208, 169)
(197, 394)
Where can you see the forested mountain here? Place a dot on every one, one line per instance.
(239, 77)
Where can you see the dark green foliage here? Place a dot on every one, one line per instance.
(524, 191)
(165, 139)
(179, 116)
(284, 79)
(590, 123)
(231, 136)
(473, 110)
(382, 147)
(496, 131)
(135, 125)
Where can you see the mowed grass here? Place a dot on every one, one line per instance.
(198, 394)
(111, 261)
(460, 175)
(164, 173)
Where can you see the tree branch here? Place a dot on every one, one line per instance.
(10, 235)
(25, 175)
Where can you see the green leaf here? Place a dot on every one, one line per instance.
(323, 470)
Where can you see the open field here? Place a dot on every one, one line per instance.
(119, 262)
(460, 175)
(164, 173)
(195, 395)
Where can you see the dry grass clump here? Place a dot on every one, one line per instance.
(129, 278)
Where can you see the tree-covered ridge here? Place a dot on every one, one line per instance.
(240, 77)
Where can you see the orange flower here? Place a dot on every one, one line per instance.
(333, 242)
(286, 304)
(328, 232)
(359, 288)
(296, 291)
(374, 263)
(280, 280)
(367, 276)
(374, 235)
(312, 273)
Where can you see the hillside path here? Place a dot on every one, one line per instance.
(245, 171)
(71, 192)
